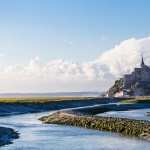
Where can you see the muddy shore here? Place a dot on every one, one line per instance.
(84, 117)
(7, 135)
(127, 127)
(21, 106)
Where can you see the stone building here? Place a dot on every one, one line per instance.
(135, 84)
(141, 74)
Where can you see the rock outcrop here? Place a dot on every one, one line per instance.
(138, 88)
(116, 88)
(135, 84)
(128, 127)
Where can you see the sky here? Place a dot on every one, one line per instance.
(70, 45)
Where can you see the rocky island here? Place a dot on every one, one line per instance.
(135, 84)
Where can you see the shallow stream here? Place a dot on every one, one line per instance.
(37, 136)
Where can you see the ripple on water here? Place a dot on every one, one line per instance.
(37, 136)
(140, 114)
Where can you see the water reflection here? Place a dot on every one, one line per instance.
(139, 114)
(37, 136)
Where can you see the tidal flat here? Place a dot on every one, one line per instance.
(83, 117)
(128, 127)
(21, 114)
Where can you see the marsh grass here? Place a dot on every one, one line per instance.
(138, 99)
(42, 100)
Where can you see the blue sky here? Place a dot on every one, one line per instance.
(70, 45)
(76, 30)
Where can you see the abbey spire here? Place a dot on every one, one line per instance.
(142, 63)
(136, 83)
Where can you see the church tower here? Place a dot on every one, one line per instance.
(142, 63)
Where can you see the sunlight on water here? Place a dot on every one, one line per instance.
(37, 136)
(140, 114)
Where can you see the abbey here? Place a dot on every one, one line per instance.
(135, 84)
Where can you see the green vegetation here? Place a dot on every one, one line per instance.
(123, 126)
(41, 100)
(140, 99)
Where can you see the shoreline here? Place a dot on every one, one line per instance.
(123, 126)
(80, 113)
(17, 106)
(7, 135)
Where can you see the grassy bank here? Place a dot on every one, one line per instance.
(127, 127)
(41, 100)
(139, 99)
(25, 100)
(9, 106)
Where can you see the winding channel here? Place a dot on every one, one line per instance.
(37, 136)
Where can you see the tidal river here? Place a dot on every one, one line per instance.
(37, 136)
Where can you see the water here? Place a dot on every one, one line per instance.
(139, 114)
(37, 136)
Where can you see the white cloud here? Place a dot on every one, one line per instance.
(60, 75)
(127, 55)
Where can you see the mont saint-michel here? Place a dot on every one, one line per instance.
(58, 59)
(135, 84)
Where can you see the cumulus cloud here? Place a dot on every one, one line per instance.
(60, 75)
(127, 55)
